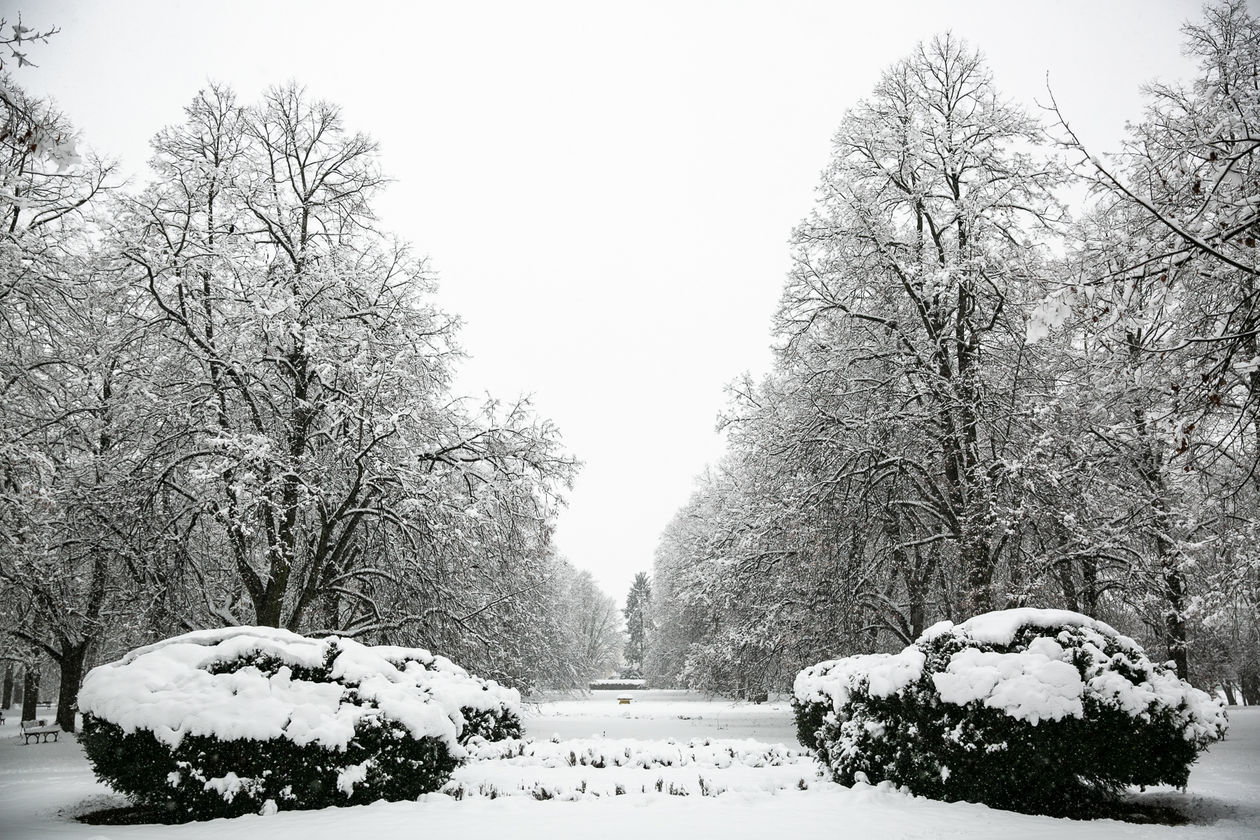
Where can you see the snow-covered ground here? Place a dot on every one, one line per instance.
(554, 786)
(659, 715)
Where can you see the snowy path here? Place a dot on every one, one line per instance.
(42, 786)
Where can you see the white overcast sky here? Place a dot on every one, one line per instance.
(606, 190)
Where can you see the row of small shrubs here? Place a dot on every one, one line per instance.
(246, 720)
(1040, 711)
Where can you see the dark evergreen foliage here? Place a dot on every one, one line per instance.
(293, 776)
(809, 719)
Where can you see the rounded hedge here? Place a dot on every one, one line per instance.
(1041, 711)
(248, 719)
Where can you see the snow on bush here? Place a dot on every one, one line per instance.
(226, 722)
(487, 710)
(821, 688)
(1043, 711)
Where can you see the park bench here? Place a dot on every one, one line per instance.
(40, 730)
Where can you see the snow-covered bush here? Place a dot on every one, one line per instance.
(244, 719)
(1043, 711)
(813, 699)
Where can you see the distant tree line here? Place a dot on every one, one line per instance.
(982, 398)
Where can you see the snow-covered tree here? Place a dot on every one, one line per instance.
(1159, 300)
(591, 626)
(871, 486)
(325, 467)
(928, 445)
(638, 622)
(909, 279)
(74, 433)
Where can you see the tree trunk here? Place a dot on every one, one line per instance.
(1249, 679)
(979, 567)
(72, 660)
(269, 612)
(1174, 619)
(1067, 584)
(1174, 585)
(7, 701)
(918, 615)
(1089, 585)
(1151, 467)
(30, 691)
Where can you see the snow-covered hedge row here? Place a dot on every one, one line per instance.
(617, 685)
(1044, 711)
(592, 768)
(603, 752)
(245, 719)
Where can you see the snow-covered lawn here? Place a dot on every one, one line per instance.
(659, 715)
(554, 786)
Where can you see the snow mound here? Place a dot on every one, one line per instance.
(1001, 626)
(1041, 681)
(185, 686)
(1031, 685)
(883, 674)
(1065, 661)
